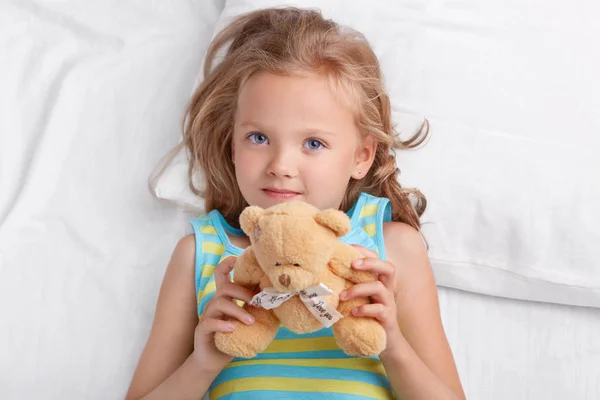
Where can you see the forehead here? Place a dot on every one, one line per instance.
(306, 99)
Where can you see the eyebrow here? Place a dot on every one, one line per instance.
(311, 131)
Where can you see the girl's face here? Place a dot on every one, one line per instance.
(293, 140)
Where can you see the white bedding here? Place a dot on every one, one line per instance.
(91, 97)
(510, 349)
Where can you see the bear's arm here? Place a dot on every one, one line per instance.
(247, 271)
(341, 261)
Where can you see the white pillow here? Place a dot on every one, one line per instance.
(511, 92)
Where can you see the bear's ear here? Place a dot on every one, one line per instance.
(335, 220)
(249, 219)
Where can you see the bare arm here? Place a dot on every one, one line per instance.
(420, 365)
(165, 366)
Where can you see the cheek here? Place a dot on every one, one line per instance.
(338, 165)
(244, 161)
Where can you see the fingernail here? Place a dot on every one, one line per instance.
(230, 327)
(354, 311)
(343, 295)
(358, 262)
(249, 319)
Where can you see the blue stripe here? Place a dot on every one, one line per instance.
(212, 238)
(384, 214)
(196, 224)
(285, 333)
(212, 259)
(203, 302)
(359, 236)
(371, 219)
(279, 395)
(204, 281)
(288, 371)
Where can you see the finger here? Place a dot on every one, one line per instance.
(377, 311)
(211, 325)
(364, 251)
(222, 271)
(235, 292)
(376, 290)
(222, 307)
(385, 270)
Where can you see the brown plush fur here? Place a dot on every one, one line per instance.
(294, 246)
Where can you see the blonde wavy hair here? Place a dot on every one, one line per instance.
(286, 41)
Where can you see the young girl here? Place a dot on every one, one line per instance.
(296, 110)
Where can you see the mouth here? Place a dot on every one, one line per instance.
(276, 193)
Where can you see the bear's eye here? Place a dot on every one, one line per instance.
(277, 263)
(296, 265)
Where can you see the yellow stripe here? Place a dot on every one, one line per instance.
(209, 288)
(207, 270)
(368, 210)
(360, 364)
(213, 248)
(199, 296)
(301, 385)
(208, 229)
(370, 229)
(306, 344)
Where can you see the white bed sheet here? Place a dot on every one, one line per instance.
(520, 350)
(91, 97)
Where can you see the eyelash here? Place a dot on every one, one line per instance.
(253, 136)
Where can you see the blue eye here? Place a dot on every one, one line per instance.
(314, 144)
(257, 138)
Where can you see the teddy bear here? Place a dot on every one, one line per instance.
(296, 258)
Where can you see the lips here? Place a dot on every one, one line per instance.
(280, 193)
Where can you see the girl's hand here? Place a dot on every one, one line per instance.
(381, 292)
(221, 307)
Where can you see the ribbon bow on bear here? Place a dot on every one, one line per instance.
(312, 297)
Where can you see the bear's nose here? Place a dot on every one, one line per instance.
(285, 280)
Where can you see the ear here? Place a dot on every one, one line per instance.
(335, 220)
(249, 219)
(365, 155)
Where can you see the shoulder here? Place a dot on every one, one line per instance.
(406, 249)
(186, 245)
(184, 254)
(401, 238)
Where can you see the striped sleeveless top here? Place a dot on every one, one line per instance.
(294, 366)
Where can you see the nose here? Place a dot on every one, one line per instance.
(282, 164)
(285, 280)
